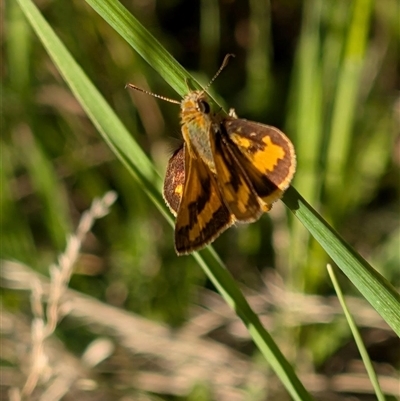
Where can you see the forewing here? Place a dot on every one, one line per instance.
(202, 215)
(265, 153)
(236, 188)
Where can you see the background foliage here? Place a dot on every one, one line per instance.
(306, 67)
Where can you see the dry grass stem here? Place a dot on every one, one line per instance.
(45, 322)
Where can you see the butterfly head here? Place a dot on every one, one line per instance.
(195, 105)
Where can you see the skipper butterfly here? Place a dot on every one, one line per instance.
(227, 170)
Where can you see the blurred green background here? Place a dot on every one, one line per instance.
(325, 72)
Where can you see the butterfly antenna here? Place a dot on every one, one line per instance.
(223, 65)
(167, 99)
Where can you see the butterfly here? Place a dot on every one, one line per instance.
(227, 170)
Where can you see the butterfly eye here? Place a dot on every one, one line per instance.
(204, 107)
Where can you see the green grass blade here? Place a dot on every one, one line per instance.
(15, 235)
(227, 287)
(116, 135)
(346, 98)
(375, 288)
(258, 66)
(309, 103)
(306, 122)
(45, 184)
(357, 337)
(97, 109)
(145, 44)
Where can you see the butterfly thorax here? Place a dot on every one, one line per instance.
(197, 125)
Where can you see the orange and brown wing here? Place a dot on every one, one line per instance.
(202, 215)
(236, 188)
(266, 155)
